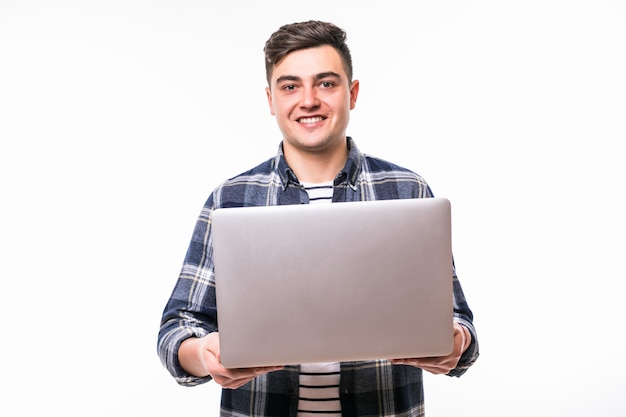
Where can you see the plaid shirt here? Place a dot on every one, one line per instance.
(371, 388)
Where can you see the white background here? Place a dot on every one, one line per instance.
(117, 118)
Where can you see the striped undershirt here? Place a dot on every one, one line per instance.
(319, 192)
(319, 382)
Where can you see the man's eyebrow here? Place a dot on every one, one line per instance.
(284, 78)
(327, 74)
(321, 75)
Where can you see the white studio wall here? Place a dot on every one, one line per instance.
(117, 119)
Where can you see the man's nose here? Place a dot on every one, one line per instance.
(309, 97)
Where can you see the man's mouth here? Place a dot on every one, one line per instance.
(310, 120)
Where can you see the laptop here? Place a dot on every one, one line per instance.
(333, 282)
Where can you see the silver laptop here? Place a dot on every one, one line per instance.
(333, 282)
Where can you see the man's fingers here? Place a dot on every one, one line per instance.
(237, 377)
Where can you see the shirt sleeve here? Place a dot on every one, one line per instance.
(191, 309)
(464, 316)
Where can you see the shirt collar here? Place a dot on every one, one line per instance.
(348, 174)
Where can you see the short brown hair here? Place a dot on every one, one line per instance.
(303, 35)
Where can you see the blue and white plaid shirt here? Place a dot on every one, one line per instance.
(371, 388)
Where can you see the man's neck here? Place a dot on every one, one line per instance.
(316, 167)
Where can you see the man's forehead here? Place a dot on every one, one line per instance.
(309, 63)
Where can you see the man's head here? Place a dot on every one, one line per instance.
(310, 88)
(303, 35)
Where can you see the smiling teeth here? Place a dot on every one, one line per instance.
(311, 119)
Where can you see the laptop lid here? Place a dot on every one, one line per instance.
(333, 282)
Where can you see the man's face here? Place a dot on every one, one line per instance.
(311, 97)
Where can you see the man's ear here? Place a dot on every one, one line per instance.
(354, 93)
(268, 91)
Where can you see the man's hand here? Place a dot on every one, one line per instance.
(201, 357)
(442, 364)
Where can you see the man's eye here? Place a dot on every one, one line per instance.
(289, 87)
(326, 84)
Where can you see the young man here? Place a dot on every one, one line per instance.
(311, 93)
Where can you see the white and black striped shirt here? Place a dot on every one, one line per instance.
(319, 192)
(319, 382)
